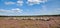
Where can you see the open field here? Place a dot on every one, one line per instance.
(15, 23)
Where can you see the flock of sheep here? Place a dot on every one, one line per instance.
(29, 18)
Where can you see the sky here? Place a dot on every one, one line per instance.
(29, 7)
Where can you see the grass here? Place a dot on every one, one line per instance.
(15, 23)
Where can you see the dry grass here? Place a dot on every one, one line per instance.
(53, 23)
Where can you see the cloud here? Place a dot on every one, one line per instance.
(56, 10)
(9, 3)
(32, 2)
(15, 10)
(19, 2)
(49, 11)
(29, 2)
(44, 8)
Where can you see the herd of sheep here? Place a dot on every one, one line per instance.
(24, 18)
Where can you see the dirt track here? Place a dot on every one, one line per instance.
(53, 23)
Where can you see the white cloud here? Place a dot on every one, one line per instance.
(16, 10)
(32, 2)
(45, 11)
(56, 10)
(9, 3)
(29, 2)
(44, 8)
(19, 3)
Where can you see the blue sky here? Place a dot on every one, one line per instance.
(29, 7)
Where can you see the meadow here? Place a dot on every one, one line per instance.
(53, 22)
